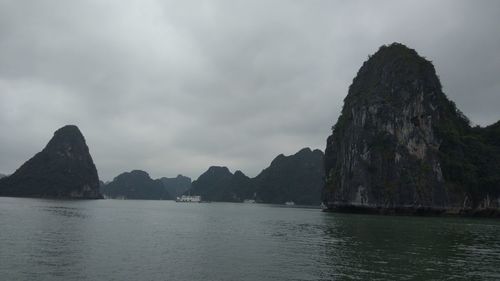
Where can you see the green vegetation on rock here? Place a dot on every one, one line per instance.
(400, 143)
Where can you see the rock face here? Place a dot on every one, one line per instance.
(176, 186)
(219, 184)
(63, 169)
(243, 187)
(400, 144)
(136, 185)
(2, 176)
(298, 178)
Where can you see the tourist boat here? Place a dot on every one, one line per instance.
(289, 203)
(189, 199)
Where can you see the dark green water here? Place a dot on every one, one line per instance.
(163, 240)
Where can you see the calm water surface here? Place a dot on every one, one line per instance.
(164, 240)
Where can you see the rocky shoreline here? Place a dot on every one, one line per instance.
(414, 211)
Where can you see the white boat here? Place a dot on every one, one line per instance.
(189, 199)
(289, 203)
(249, 201)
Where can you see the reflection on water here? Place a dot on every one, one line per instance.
(405, 248)
(160, 240)
(58, 245)
(64, 211)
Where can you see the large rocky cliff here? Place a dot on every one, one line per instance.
(63, 169)
(401, 145)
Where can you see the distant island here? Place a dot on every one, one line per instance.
(138, 184)
(63, 169)
(296, 178)
(176, 186)
(401, 146)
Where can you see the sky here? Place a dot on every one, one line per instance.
(173, 87)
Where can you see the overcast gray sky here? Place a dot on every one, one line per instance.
(176, 86)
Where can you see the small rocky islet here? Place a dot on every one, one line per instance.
(63, 169)
(399, 146)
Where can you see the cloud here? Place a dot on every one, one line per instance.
(176, 86)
